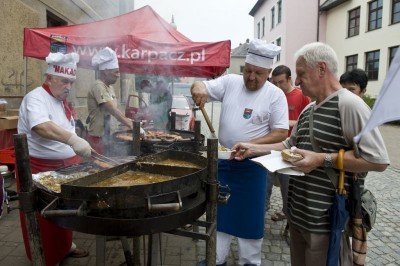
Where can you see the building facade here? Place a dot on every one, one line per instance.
(364, 34)
(19, 14)
(287, 23)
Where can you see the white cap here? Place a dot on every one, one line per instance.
(3, 168)
(63, 65)
(262, 54)
(106, 58)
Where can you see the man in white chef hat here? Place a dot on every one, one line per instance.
(45, 118)
(252, 110)
(102, 102)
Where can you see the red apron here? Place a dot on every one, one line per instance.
(56, 240)
(96, 143)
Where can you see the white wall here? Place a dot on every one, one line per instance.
(298, 27)
(382, 39)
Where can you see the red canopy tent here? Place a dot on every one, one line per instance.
(144, 42)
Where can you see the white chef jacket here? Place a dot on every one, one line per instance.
(245, 114)
(38, 107)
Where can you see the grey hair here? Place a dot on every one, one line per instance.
(316, 52)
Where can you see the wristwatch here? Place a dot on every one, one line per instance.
(328, 162)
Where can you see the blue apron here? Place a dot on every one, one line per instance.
(243, 216)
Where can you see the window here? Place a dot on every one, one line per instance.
(278, 43)
(54, 21)
(241, 69)
(354, 22)
(372, 64)
(392, 53)
(258, 30)
(272, 17)
(280, 11)
(351, 62)
(375, 15)
(263, 27)
(395, 11)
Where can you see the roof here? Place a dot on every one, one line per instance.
(256, 7)
(241, 50)
(329, 4)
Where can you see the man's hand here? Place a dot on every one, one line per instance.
(199, 93)
(80, 146)
(311, 160)
(242, 151)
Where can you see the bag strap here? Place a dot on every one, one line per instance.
(330, 172)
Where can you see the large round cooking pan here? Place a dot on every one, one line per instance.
(187, 181)
(124, 222)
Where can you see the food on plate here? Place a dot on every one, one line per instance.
(224, 153)
(92, 171)
(124, 136)
(290, 156)
(222, 148)
(161, 135)
(150, 135)
(101, 164)
(50, 182)
(53, 180)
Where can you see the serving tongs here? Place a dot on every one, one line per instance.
(104, 159)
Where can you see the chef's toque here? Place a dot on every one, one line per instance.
(106, 58)
(63, 65)
(262, 54)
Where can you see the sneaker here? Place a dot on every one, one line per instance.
(278, 216)
(203, 263)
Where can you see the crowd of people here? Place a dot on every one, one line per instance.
(262, 110)
(337, 115)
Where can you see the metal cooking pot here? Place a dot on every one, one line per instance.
(131, 210)
(117, 222)
(188, 181)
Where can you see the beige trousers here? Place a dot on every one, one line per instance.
(310, 249)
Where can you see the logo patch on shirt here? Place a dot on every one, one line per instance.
(247, 113)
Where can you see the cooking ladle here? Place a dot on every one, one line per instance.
(208, 121)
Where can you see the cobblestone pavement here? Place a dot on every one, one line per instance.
(383, 240)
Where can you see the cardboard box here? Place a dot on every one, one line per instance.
(12, 112)
(9, 112)
(8, 122)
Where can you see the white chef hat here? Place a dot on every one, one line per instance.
(63, 65)
(106, 58)
(262, 54)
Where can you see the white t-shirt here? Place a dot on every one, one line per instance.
(39, 107)
(247, 115)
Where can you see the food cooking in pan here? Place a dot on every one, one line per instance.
(132, 178)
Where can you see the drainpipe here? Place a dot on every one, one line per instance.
(318, 15)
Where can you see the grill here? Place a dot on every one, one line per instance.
(129, 210)
(189, 141)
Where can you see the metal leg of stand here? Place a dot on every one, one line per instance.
(154, 250)
(100, 250)
(211, 208)
(127, 252)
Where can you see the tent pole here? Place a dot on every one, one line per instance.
(25, 74)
